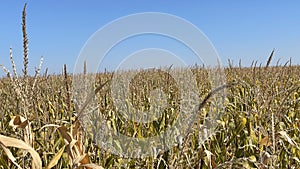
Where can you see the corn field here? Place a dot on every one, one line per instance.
(259, 126)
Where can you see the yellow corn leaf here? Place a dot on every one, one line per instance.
(253, 136)
(296, 159)
(252, 158)
(243, 121)
(91, 165)
(56, 158)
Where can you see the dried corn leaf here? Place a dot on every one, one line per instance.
(18, 122)
(56, 158)
(65, 134)
(79, 158)
(92, 165)
(13, 142)
(288, 139)
(85, 159)
(10, 156)
(49, 125)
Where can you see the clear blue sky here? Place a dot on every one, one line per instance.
(241, 29)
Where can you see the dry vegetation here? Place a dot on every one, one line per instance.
(259, 127)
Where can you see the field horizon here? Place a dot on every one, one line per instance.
(193, 117)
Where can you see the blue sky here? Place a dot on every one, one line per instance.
(57, 30)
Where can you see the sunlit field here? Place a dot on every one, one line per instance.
(259, 126)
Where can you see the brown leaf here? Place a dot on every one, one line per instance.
(265, 141)
(85, 159)
(18, 122)
(65, 134)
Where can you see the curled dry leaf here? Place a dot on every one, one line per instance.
(13, 142)
(18, 122)
(85, 159)
(49, 125)
(65, 134)
(289, 139)
(10, 156)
